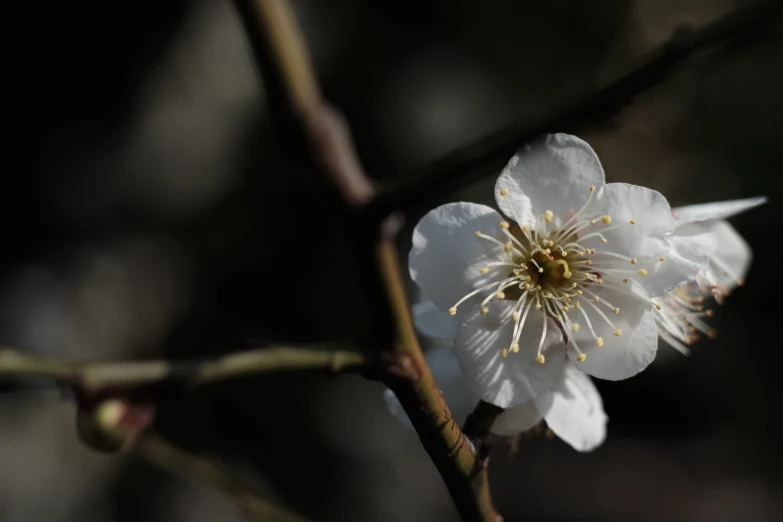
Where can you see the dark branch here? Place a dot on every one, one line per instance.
(159, 452)
(463, 167)
(313, 130)
(96, 376)
(478, 425)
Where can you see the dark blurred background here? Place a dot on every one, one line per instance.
(148, 210)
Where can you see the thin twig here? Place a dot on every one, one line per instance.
(194, 372)
(478, 424)
(315, 131)
(464, 166)
(161, 453)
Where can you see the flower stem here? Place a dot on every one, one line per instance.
(194, 372)
(158, 451)
(315, 131)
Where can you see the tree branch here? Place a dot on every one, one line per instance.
(315, 131)
(462, 167)
(479, 423)
(195, 372)
(159, 452)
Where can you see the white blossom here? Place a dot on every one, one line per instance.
(572, 409)
(568, 274)
(710, 240)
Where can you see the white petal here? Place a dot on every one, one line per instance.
(687, 258)
(619, 357)
(433, 322)
(518, 378)
(522, 417)
(446, 255)
(576, 414)
(731, 260)
(640, 222)
(646, 207)
(445, 369)
(553, 173)
(717, 210)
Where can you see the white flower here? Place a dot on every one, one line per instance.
(725, 256)
(576, 262)
(572, 409)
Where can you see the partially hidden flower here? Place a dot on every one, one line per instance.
(704, 235)
(568, 274)
(572, 409)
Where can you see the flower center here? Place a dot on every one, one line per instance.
(550, 269)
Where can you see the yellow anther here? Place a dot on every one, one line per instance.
(515, 347)
(500, 295)
(589, 262)
(710, 313)
(599, 342)
(547, 251)
(625, 280)
(538, 307)
(593, 221)
(549, 296)
(527, 286)
(504, 192)
(483, 270)
(541, 270)
(578, 292)
(525, 228)
(617, 310)
(604, 240)
(600, 281)
(452, 311)
(658, 307)
(633, 221)
(596, 299)
(484, 310)
(618, 332)
(592, 188)
(504, 225)
(581, 357)
(576, 304)
(515, 315)
(504, 352)
(565, 308)
(606, 219)
(634, 261)
(642, 272)
(541, 359)
(575, 327)
(661, 259)
(509, 247)
(477, 233)
(567, 274)
(548, 215)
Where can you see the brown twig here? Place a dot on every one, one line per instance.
(478, 424)
(320, 135)
(463, 166)
(194, 372)
(159, 452)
